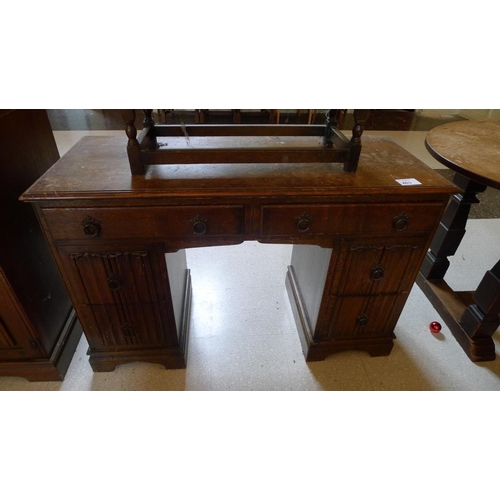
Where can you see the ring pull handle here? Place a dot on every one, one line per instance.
(91, 227)
(362, 320)
(199, 225)
(128, 329)
(303, 222)
(377, 272)
(400, 222)
(115, 282)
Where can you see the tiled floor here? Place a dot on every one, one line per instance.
(243, 335)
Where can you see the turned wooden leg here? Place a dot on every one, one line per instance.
(133, 146)
(360, 117)
(451, 229)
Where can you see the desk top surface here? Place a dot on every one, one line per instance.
(97, 167)
(471, 148)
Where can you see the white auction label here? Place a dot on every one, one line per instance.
(408, 182)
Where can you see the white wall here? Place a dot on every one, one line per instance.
(480, 114)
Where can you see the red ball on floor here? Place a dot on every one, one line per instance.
(435, 327)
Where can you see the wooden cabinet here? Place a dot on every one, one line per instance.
(359, 240)
(38, 327)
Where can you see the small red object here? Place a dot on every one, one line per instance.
(435, 327)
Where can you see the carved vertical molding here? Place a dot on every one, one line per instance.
(115, 277)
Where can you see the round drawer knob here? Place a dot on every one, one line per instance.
(115, 282)
(199, 225)
(91, 227)
(377, 273)
(303, 222)
(362, 320)
(128, 330)
(400, 222)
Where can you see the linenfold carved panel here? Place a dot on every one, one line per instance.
(371, 268)
(114, 277)
(123, 325)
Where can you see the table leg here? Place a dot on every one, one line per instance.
(480, 320)
(472, 317)
(451, 230)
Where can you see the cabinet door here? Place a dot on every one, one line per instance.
(16, 341)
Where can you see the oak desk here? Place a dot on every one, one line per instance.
(472, 149)
(119, 241)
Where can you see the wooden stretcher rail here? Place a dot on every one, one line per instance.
(238, 130)
(331, 145)
(243, 155)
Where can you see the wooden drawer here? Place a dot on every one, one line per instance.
(344, 219)
(377, 267)
(114, 277)
(144, 222)
(111, 326)
(364, 316)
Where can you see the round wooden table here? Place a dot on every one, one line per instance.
(472, 149)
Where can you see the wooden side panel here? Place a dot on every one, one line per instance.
(310, 264)
(177, 268)
(28, 150)
(16, 339)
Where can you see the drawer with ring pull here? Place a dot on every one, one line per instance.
(363, 316)
(343, 219)
(94, 224)
(377, 266)
(129, 327)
